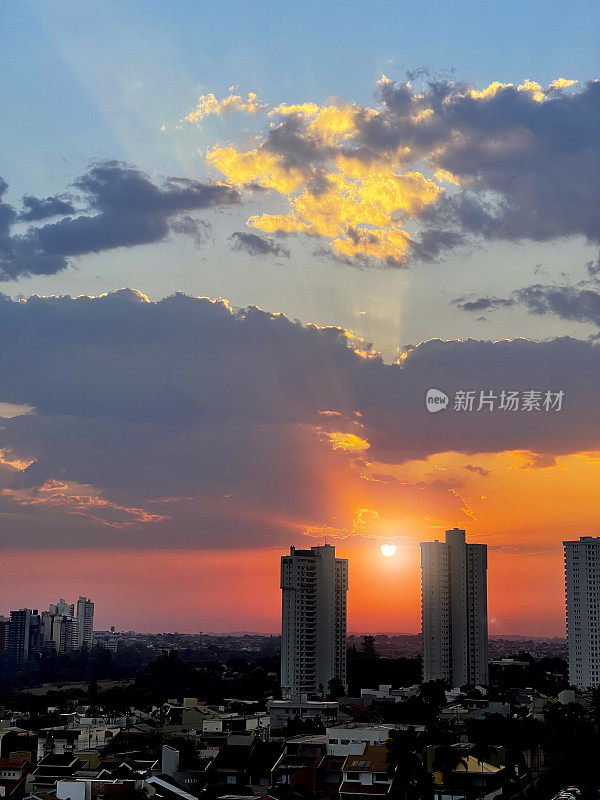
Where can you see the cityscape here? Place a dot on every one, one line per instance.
(314, 712)
(299, 400)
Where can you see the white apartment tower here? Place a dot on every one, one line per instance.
(85, 619)
(314, 584)
(454, 610)
(582, 589)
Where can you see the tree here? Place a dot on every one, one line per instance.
(447, 758)
(335, 689)
(368, 647)
(404, 764)
(434, 693)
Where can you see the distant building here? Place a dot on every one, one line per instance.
(60, 628)
(62, 608)
(314, 585)
(4, 628)
(454, 610)
(85, 619)
(24, 634)
(582, 588)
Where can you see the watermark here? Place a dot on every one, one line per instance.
(436, 400)
(530, 400)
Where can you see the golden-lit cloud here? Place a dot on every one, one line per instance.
(208, 104)
(258, 167)
(562, 83)
(348, 442)
(357, 206)
(381, 183)
(534, 88)
(490, 91)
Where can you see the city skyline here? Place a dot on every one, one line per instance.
(295, 275)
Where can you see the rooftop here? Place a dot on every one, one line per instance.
(374, 759)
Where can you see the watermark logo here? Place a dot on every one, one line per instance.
(435, 400)
(529, 401)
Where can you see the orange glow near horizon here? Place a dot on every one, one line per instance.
(520, 509)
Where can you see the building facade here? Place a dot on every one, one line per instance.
(24, 634)
(314, 585)
(582, 590)
(85, 620)
(454, 610)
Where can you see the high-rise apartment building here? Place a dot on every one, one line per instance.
(454, 610)
(24, 634)
(62, 608)
(85, 619)
(582, 590)
(59, 632)
(314, 585)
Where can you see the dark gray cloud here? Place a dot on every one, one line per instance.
(576, 303)
(529, 168)
(593, 268)
(213, 417)
(567, 302)
(483, 303)
(199, 230)
(478, 470)
(256, 245)
(37, 208)
(122, 206)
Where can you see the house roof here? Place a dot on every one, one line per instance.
(374, 759)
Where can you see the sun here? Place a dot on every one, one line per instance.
(388, 549)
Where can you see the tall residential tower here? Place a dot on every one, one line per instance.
(85, 621)
(314, 584)
(454, 610)
(582, 589)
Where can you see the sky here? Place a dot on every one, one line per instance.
(239, 244)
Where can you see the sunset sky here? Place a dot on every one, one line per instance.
(239, 242)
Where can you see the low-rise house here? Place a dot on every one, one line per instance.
(237, 723)
(385, 692)
(299, 761)
(51, 769)
(367, 776)
(72, 738)
(325, 711)
(13, 773)
(459, 774)
(97, 789)
(503, 709)
(353, 737)
(165, 788)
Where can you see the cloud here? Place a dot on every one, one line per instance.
(188, 418)
(36, 208)
(123, 208)
(255, 245)
(567, 302)
(199, 230)
(208, 104)
(359, 176)
(478, 470)
(483, 303)
(575, 303)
